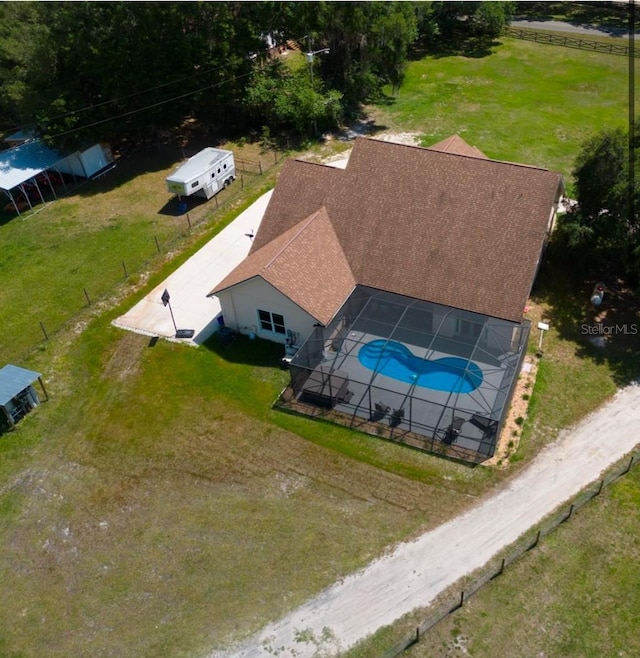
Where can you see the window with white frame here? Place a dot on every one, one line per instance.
(273, 322)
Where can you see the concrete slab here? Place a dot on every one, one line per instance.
(189, 285)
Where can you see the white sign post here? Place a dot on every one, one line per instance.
(543, 326)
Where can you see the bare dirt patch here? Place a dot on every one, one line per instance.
(512, 428)
(124, 361)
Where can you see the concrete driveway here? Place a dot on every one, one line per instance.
(189, 285)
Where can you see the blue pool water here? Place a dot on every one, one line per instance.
(394, 359)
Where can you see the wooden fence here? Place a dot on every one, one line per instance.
(567, 41)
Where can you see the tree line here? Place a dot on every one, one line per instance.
(76, 71)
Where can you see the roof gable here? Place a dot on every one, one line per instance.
(455, 144)
(459, 230)
(317, 280)
(302, 188)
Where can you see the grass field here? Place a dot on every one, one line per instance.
(525, 103)
(157, 505)
(578, 594)
(80, 242)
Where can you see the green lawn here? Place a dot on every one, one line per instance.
(157, 505)
(526, 102)
(88, 240)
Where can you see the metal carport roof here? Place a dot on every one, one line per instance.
(13, 380)
(23, 162)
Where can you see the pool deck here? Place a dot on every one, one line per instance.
(428, 411)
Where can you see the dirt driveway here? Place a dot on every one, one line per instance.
(415, 573)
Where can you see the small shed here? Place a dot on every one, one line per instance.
(17, 395)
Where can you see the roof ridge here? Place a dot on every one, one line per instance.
(316, 164)
(458, 155)
(294, 237)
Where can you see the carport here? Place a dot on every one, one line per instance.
(17, 395)
(24, 164)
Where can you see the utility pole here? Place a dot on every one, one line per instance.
(310, 55)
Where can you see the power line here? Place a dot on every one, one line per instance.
(120, 98)
(137, 93)
(149, 107)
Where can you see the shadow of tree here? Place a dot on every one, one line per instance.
(611, 17)
(609, 333)
(473, 47)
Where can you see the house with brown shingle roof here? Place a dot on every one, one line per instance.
(407, 258)
(443, 224)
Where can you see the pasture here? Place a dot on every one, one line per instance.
(157, 505)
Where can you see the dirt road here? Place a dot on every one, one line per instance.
(415, 573)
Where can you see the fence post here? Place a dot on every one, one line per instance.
(600, 487)
(537, 538)
(188, 220)
(630, 465)
(241, 181)
(86, 294)
(461, 599)
(260, 166)
(502, 566)
(157, 245)
(44, 331)
(217, 205)
(124, 267)
(417, 634)
(570, 512)
(275, 156)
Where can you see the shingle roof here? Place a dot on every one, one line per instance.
(455, 144)
(301, 189)
(452, 229)
(295, 265)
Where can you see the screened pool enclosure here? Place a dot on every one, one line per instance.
(431, 376)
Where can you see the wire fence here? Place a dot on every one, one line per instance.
(497, 566)
(130, 265)
(581, 43)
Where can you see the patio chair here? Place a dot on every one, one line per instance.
(380, 411)
(453, 431)
(396, 417)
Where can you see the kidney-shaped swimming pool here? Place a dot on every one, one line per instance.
(393, 359)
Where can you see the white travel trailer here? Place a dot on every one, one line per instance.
(205, 174)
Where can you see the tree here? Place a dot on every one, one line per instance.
(287, 100)
(604, 229)
(85, 71)
(454, 25)
(368, 44)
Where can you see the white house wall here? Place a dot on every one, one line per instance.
(240, 306)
